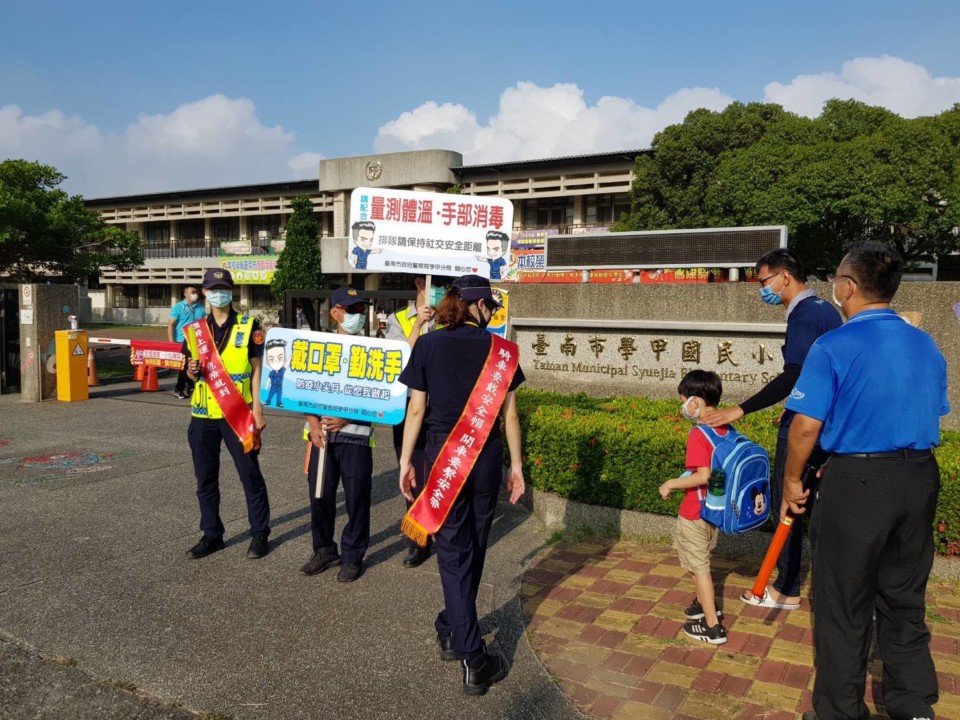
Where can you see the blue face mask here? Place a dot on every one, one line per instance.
(219, 298)
(352, 323)
(436, 295)
(769, 296)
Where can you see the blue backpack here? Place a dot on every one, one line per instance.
(745, 503)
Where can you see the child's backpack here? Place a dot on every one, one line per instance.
(745, 502)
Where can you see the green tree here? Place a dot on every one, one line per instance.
(298, 266)
(855, 172)
(44, 232)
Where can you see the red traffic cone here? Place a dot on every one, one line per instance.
(92, 379)
(149, 382)
(138, 373)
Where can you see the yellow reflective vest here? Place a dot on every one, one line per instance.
(236, 361)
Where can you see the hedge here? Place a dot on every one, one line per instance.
(617, 451)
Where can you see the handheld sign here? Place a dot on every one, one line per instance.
(346, 376)
(420, 233)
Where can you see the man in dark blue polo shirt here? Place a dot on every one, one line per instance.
(876, 388)
(782, 282)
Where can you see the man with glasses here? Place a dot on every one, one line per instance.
(782, 282)
(876, 388)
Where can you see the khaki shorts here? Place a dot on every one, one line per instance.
(694, 540)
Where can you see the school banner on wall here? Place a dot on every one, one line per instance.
(401, 231)
(251, 269)
(346, 376)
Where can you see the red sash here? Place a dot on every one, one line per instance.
(462, 448)
(215, 375)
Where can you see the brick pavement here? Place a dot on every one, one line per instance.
(604, 617)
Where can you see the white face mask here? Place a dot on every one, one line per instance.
(192, 297)
(685, 411)
(352, 323)
(219, 298)
(833, 291)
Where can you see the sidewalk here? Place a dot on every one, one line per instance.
(604, 617)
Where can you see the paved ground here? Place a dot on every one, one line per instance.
(97, 598)
(604, 616)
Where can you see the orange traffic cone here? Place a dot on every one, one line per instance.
(92, 379)
(149, 382)
(138, 373)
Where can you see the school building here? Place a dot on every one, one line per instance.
(186, 231)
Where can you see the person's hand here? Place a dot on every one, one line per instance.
(317, 436)
(424, 315)
(408, 479)
(259, 422)
(794, 498)
(515, 484)
(666, 488)
(193, 367)
(332, 424)
(780, 417)
(719, 418)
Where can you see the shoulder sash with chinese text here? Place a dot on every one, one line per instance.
(462, 447)
(228, 397)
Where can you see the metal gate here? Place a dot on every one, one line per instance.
(9, 339)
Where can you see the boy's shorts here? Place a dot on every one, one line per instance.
(694, 540)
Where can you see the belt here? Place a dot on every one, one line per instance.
(892, 454)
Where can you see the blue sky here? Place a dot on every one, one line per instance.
(499, 80)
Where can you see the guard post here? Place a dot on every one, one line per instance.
(71, 348)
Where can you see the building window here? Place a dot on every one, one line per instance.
(263, 226)
(158, 296)
(606, 209)
(190, 233)
(226, 228)
(261, 297)
(157, 234)
(548, 213)
(126, 296)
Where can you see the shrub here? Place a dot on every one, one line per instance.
(617, 451)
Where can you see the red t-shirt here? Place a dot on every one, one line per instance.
(699, 454)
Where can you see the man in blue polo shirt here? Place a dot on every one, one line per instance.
(876, 388)
(783, 282)
(188, 310)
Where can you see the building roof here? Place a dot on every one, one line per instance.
(311, 185)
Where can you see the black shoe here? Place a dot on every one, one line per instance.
(446, 648)
(698, 630)
(695, 611)
(349, 573)
(279, 405)
(416, 556)
(179, 394)
(205, 547)
(320, 561)
(476, 681)
(258, 547)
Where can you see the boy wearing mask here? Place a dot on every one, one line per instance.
(349, 458)
(694, 538)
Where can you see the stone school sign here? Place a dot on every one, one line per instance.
(641, 339)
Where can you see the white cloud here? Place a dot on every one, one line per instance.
(210, 142)
(539, 122)
(899, 85)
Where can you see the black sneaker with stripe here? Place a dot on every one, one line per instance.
(698, 630)
(695, 611)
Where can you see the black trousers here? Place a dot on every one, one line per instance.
(354, 465)
(184, 383)
(872, 534)
(461, 547)
(419, 461)
(205, 437)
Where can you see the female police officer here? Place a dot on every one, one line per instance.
(469, 376)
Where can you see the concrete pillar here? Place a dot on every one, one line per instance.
(47, 308)
(244, 226)
(341, 214)
(579, 211)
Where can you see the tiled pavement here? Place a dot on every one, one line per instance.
(604, 617)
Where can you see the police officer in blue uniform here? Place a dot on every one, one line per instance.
(782, 282)
(443, 370)
(877, 388)
(239, 341)
(349, 458)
